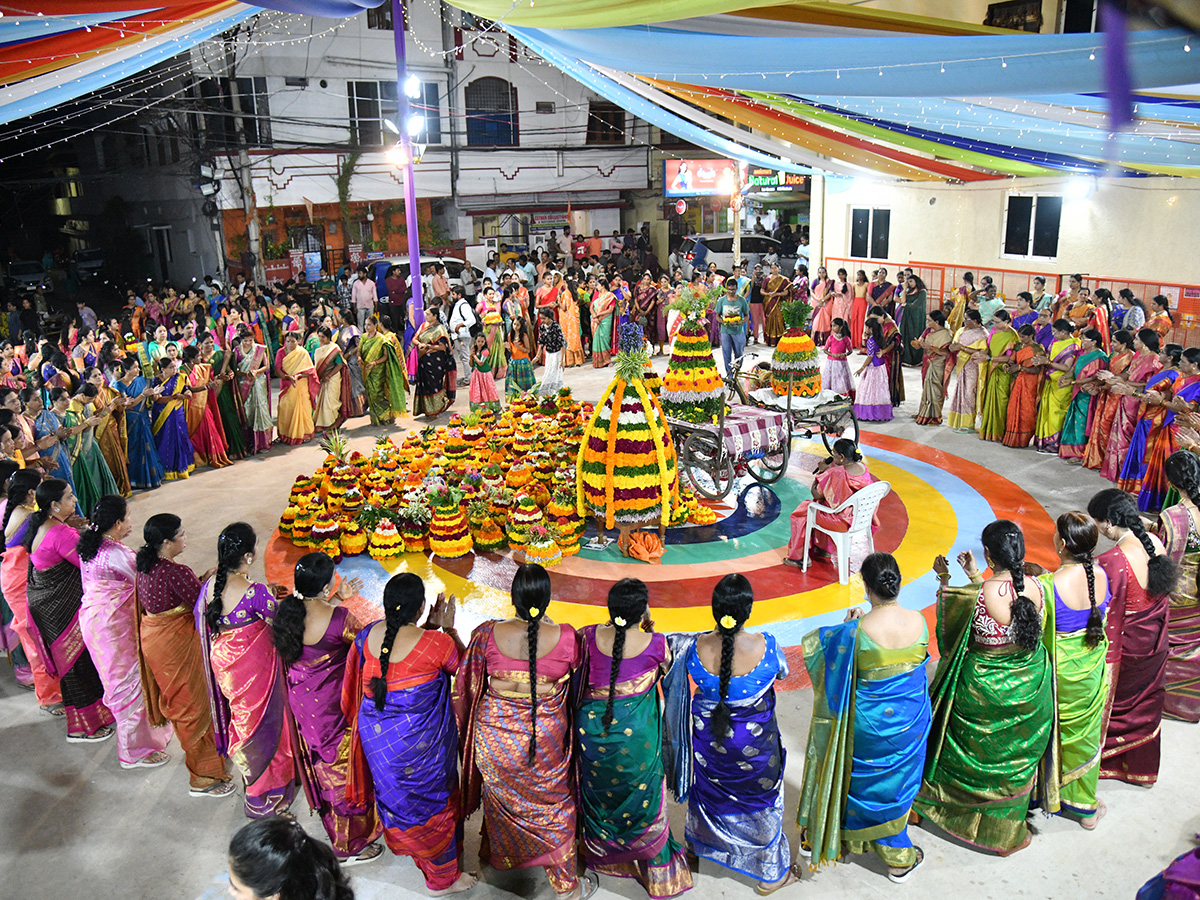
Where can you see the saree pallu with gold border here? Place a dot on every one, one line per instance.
(1022, 401)
(335, 401)
(1104, 414)
(993, 732)
(529, 810)
(1082, 407)
(297, 396)
(1182, 543)
(1160, 445)
(230, 413)
(1149, 420)
(175, 449)
(386, 383)
(113, 440)
(1137, 656)
(1056, 398)
(203, 419)
(866, 745)
(405, 757)
(997, 385)
(622, 790)
(1141, 370)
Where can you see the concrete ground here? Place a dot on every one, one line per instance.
(74, 823)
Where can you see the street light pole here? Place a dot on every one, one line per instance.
(410, 188)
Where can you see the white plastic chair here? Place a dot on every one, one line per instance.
(864, 503)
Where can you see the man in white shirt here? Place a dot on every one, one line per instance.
(564, 244)
(511, 268)
(462, 320)
(363, 296)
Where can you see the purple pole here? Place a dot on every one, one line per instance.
(410, 187)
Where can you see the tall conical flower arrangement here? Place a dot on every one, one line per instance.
(692, 389)
(626, 465)
(796, 355)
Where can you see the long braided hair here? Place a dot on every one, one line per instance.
(403, 600)
(1005, 545)
(234, 542)
(313, 572)
(531, 596)
(1117, 508)
(1079, 535)
(1183, 471)
(628, 601)
(732, 602)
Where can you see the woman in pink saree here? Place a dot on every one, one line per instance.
(1145, 364)
(254, 385)
(837, 481)
(203, 415)
(314, 636)
(246, 688)
(109, 618)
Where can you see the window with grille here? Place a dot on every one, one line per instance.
(492, 113)
(220, 122)
(370, 103)
(544, 107)
(1031, 226)
(428, 106)
(606, 124)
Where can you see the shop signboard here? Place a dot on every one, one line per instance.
(699, 177)
(768, 181)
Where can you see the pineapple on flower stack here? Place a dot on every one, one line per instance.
(692, 389)
(626, 468)
(795, 356)
(342, 474)
(414, 515)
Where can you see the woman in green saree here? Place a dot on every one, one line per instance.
(93, 478)
(1090, 360)
(384, 375)
(229, 403)
(1081, 596)
(870, 727)
(622, 789)
(993, 407)
(993, 700)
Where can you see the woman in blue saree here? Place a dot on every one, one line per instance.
(145, 468)
(170, 423)
(870, 725)
(734, 791)
(403, 734)
(50, 422)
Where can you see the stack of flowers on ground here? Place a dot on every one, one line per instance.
(794, 361)
(692, 388)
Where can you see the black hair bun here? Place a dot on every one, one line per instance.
(888, 582)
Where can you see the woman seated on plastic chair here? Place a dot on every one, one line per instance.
(838, 479)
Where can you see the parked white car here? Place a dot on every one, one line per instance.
(698, 250)
(379, 269)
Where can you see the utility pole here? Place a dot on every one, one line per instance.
(403, 113)
(245, 177)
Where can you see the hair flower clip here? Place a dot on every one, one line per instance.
(534, 612)
(619, 621)
(728, 622)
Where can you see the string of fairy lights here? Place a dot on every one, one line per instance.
(277, 29)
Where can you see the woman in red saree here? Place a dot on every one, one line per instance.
(203, 416)
(1104, 408)
(1146, 363)
(1141, 578)
(403, 734)
(1026, 388)
(858, 309)
(1161, 319)
(1177, 528)
(836, 482)
(512, 702)
(247, 692)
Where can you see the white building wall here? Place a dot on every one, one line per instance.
(1132, 228)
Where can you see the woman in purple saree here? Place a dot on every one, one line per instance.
(404, 737)
(729, 760)
(251, 721)
(313, 636)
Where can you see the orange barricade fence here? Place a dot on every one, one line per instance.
(943, 279)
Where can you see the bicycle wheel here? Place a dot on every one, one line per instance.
(708, 467)
(769, 469)
(842, 424)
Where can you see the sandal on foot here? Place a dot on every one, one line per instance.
(153, 761)
(218, 790)
(804, 848)
(102, 734)
(1021, 846)
(54, 709)
(1093, 820)
(588, 887)
(369, 853)
(901, 877)
(765, 889)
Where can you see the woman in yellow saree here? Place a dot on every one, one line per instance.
(297, 390)
(384, 376)
(970, 348)
(993, 405)
(110, 432)
(1056, 390)
(334, 401)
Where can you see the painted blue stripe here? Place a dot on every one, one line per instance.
(971, 509)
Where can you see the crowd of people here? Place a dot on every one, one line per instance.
(570, 741)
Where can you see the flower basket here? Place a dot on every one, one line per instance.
(449, 533)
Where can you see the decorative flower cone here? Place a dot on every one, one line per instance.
(306, 518)
(449, 534)
(353, 540)
(352, 502)
(519, 476)
(567, 528)
(692, 389)
(502, 505)
(626, 465)
(489, 537)
(386, 542)
(287, 520)
(541, 548)
(325, 537)
(796, 355)
(524, 516)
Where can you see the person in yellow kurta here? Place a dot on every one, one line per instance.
(298, 391)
